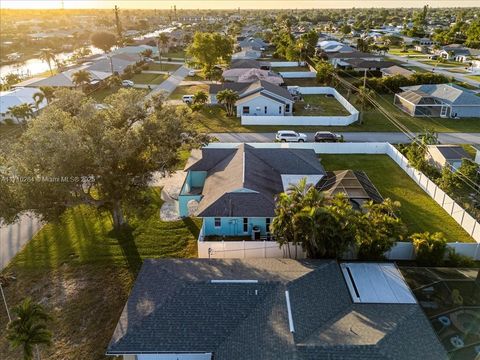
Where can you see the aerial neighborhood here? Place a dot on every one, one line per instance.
(207, 181)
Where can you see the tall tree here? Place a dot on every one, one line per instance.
(48, 56)
(103, 40)
(200, 97)
(118, 24)
(325, 72)
(228, 98)
(162, 43)
(209, 49)
(44, 93)
(29, 328)
(81, 78)
(100, 158)
(22, 112)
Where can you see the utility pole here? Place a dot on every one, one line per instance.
(363, 95)
(117, 21)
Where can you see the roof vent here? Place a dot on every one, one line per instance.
(289, 310)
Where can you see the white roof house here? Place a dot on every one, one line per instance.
(17, 97)
(332, 46)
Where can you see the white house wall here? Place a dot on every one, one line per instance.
(260, 102)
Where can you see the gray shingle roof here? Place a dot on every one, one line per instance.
(175, 307)
(262, 86)
(244, 181)
(449, 93)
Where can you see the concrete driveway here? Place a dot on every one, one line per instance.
(169, 85)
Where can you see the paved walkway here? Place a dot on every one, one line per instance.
(171, 186)
(391, 137)
(196, 82)
(169, 85)
(438, 70)
(155, 72)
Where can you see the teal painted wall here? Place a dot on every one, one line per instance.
(183, 203)
(193, 179)
(231, 226)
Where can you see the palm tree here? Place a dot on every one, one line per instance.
(48, 56)
(81, 77)
(228, 98)
(44, 93)
(200, 97)
(162, 42)
(29, 329)
(147, 53)
(22, 112)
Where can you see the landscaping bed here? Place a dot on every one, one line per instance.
(418, 211)
(78, 267)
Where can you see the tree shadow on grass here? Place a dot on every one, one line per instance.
(192, 226)
(126, 240)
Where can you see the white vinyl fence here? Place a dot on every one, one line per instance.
(298, 74)
(401, 250)
(13, 237)
(275, 64)
(308, 120)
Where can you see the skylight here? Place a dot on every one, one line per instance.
(376, 283)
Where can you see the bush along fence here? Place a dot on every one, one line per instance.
(400, 251)
(308, 120)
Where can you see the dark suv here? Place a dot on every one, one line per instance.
(327, 136)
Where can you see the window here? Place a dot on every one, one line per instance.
(279, 109)
(246, 110)
(245, 225)
(218, 222)
(287, 108)
(267, 225)
(265, 109)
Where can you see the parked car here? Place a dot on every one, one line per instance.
(148, 60)
(188, 99)
(290, 136)
(327, 136)
(191, 73)
(127, 83)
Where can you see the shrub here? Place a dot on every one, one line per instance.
(137, 71)
(458, 260)
(430, 249)
(145, 67)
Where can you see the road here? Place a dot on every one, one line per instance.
(391, 137)
(443, 71)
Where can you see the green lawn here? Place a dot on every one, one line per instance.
(174, 54)
(152, 79)
(163, 67)
(188, 90)
(474, 77)
(419, 212)
(100, 94)
(447, 64)
(83, 273)
(400, 52)
(301, 82)
(319, 105)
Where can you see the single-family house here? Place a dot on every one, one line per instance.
(438, 100)
(333, 46)
(446, 155)
(396, 70)
(272, 309)
(18, 96)
(234, 189)
(247, 54)
(455, 52)
(367, 65)
(341, 59)
(253, 44)
(248, 75)
(249, 64)
(264, 99)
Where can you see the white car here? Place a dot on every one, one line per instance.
(188, 99)
(290, 136)
(191, 73)
(127, 83)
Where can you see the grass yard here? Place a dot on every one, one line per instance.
(151, 79)
(101, 94)
(174, 54)
(163, 67)
(290, 69)
(446, 64)
(474, 77)
(83, 273)
(400, 52)
(188, 90)
(9, 129)
(319, 105)
(419, 212)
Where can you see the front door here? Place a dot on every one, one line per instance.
(444, 111)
